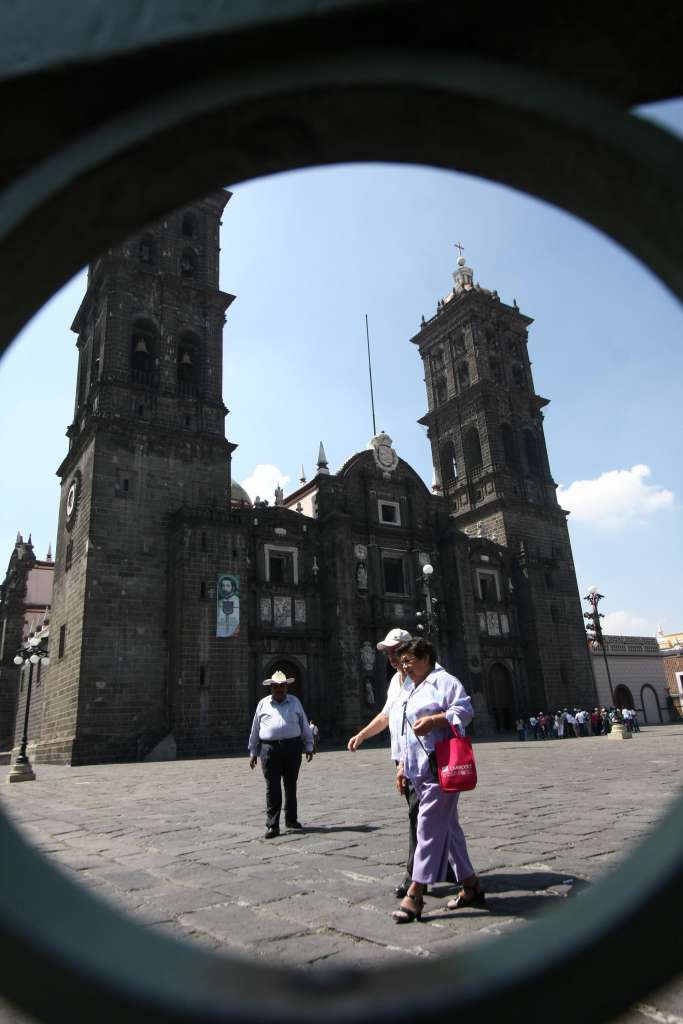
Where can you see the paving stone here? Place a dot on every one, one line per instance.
(240, 926)
(123, 878)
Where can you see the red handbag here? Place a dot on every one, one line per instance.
(456, 767)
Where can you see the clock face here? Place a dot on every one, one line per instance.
(72, 496)
(71, 500)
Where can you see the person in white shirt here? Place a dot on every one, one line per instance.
(391, 642)
(278, 733)
(435, 704)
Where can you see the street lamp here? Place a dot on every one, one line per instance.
(426, 620)
(597, 640)
(32, 654)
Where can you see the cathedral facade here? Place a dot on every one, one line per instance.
(175, 595)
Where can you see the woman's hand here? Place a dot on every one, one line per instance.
(400, 779)
(355, 742)
(421, 726)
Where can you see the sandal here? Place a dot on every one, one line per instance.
(469, 896)
(410, 910)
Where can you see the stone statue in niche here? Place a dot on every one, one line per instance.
(361, 576)
(367, 656)
(369, 693)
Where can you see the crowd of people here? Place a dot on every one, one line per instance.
(575, 723)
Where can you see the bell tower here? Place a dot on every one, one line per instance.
(485, 426)
(147, 438)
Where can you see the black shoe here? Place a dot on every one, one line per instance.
(272, 832)
(294, 824)
(402, 890)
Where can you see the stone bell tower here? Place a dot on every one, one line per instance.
(147, 438)
(485, 425)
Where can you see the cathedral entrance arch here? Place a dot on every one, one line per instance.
(623, 698)
(652, 712)
(501, 698)
(293, 670)
(301, 687)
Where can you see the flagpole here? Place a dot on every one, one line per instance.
(372, 396)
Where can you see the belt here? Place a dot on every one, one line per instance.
(278, 743)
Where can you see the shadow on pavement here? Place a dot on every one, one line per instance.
(518, 894)
(339, 828)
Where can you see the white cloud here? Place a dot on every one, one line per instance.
(615, 499)
(625, 623)
(263, 480)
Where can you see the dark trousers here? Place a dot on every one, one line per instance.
(413, 810)
(280, 762)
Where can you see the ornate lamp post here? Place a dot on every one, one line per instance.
(597, 640)
(427, 621)
(32, 654)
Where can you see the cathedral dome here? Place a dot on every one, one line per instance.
(238, 495)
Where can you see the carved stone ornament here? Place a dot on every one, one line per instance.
(367, 656)
(386, 458)
(361, 552)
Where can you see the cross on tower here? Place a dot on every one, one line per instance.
(459, 246)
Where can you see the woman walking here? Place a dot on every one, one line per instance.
(433, 700)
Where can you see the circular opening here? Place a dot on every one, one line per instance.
(426, 92)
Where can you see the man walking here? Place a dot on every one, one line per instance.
(279, 731)
(389, 646)
(392, 641)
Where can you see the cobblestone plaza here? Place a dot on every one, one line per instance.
(180, 846)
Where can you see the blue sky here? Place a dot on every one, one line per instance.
(309, 254)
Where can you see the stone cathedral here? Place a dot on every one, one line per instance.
(175, 596)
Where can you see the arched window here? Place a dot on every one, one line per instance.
(188, 364)
(457, 345)
(146, 250)
(509, 446)
(440, 391)
(464, 374)
(189, 225)
(496, 370)
(143, 353)
(533, 455)
(83, 381)
(472, 449)
(188, 262)
(449, 467)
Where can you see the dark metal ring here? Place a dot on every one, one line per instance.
(61, 947)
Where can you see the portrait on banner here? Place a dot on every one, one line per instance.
(228, 605)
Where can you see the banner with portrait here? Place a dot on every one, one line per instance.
(227, 604)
